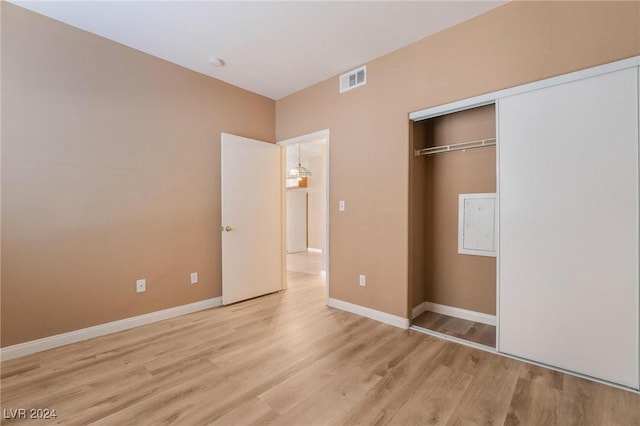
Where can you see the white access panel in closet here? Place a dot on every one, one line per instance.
(568, 262)
(477, 224)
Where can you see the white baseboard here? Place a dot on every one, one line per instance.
(323, 273)
(454, 312)
(384, 317)
(314, 250)
(57, 340)
(418, 310)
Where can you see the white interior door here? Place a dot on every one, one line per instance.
(568, 197)
(252, 248)
(296, 221)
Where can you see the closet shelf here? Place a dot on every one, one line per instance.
(455, 147)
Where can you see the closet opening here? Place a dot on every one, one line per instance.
(453, 226)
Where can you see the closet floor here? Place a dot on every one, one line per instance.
(468, 330)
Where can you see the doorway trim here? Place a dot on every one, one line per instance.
(311, 137)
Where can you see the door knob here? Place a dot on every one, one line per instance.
(228, 228)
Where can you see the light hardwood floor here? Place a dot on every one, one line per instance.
(287, 359)
(468, 330)
(305, 263)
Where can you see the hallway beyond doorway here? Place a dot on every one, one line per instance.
(303, 269)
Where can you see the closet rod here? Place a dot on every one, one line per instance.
(455, 147)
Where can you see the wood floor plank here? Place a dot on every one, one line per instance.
(466, 359)
(468, 330)
(247, 377)
(584, 402)
(533, 403)
(619, 407)
(488, 396)
(252, 412)
(328, 398)
(323, 371)
(435, 400)
(551, 378)
(288, 359)
(398, 383)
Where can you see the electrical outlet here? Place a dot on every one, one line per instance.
(341, 205)
(194, 278)
(141, 286)
(363, 280)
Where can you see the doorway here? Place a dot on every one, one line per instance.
(306, 208)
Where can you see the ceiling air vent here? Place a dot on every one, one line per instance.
(353, 79)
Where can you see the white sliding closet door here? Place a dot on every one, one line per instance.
(568, 194)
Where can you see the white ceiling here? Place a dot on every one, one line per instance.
(269, 47)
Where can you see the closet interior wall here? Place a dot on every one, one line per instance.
(437, 272)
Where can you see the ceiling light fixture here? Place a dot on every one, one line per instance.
(216, 62)
(299, 172)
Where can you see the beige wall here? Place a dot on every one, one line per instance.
(110, 157)
(511, 45)
(110, 173)
(441, 274)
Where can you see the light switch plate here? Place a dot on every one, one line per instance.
(341, 205)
